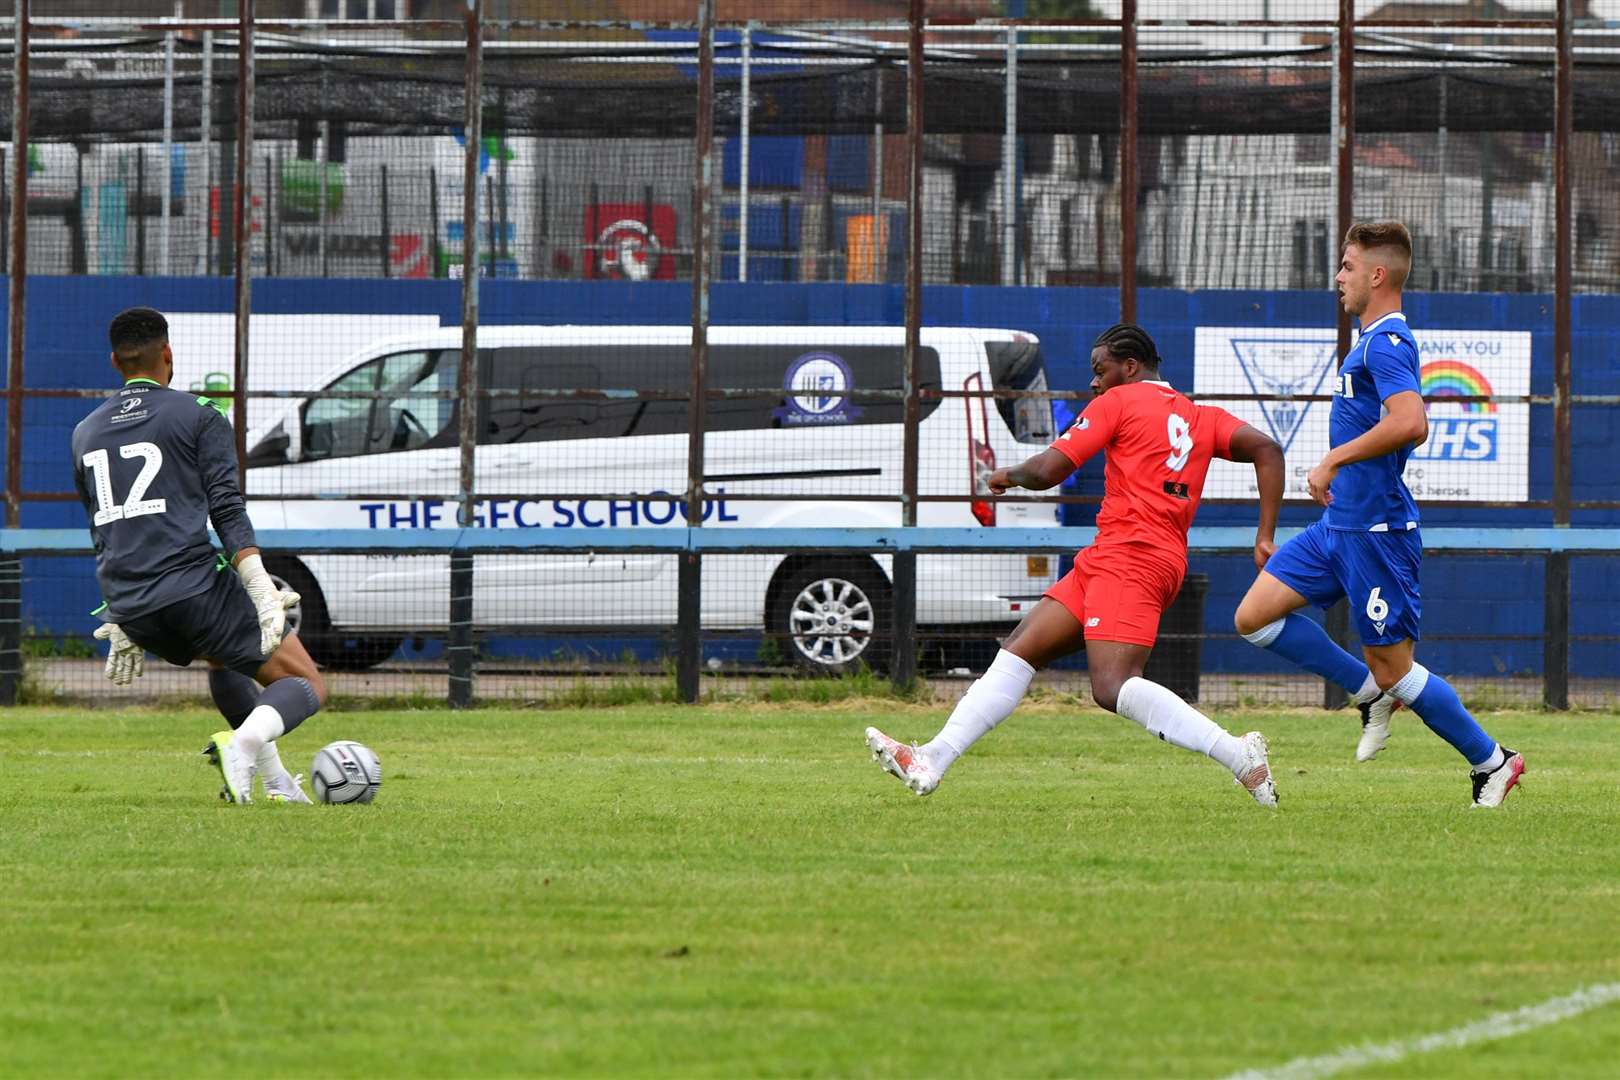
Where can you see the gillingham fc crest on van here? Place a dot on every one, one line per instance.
(817, 383)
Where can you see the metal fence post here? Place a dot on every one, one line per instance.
(903, 670)
(10, 567)
(689, 580)
(1555, 632)
(461, 653)
(18, 282)
(1344, 140)
(1555, 643)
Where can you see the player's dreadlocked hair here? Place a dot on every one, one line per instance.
(134, 332)
(1129, 340)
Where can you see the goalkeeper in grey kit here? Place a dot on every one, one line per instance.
(153, 466)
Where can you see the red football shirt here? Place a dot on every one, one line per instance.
(1158, 446)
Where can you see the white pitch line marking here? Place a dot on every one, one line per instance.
(1500, 1025)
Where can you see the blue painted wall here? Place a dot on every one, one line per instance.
(66, 348)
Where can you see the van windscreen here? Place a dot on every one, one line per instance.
(812, 380)
(1019, 365)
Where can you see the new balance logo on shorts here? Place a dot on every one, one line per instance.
(1093, 621)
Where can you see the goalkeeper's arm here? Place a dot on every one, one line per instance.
(269, 603)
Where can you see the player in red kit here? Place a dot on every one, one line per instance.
(1158, 447)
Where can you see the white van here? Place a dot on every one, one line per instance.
(550, 463)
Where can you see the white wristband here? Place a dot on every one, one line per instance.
(254, 578)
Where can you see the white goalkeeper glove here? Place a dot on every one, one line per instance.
(269, 602)
(126, 661)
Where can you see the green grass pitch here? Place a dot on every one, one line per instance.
(738, 890)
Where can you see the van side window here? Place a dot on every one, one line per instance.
(639, 369)
(406, 417)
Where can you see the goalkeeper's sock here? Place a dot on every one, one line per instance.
(989, 701)
(1303, 642)
(284, 705)
(234, 694)
(1163, 713)
(271, 770)
(1438, 706)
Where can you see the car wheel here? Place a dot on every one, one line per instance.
(832, 616)
(330, 648)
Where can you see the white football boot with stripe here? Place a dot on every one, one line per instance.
(1490, 788)
(1255, 776)
(280, 786)
(907, 763)
(1375, 716)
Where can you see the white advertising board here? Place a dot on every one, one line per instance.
(1475, 450)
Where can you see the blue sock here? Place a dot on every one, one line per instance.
(1303, 642)
(1438, 706)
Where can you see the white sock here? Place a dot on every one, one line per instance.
(1411, 685)
(263, 725)
(1158, 709)
(271, 770)
(1493, 762)
(989, 701)
(1369, 690)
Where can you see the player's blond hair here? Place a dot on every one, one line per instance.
(1391, 239)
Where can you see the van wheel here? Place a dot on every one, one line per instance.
(832, 616)
(330, 648)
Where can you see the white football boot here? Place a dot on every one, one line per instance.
(1492, 787)
(280, 786)
(1375, 716)
(288, 788)
(907, 763)
(1255, 777)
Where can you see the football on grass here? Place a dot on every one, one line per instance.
(345, 772)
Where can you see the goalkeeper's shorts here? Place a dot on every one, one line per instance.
(216, 624)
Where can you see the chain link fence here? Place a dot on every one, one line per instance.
(1045, 169)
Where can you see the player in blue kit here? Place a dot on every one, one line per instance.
(153, 467)
(1367, 546)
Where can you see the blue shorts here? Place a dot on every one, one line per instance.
(1377, 571)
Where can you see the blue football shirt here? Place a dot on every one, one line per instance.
(1371, 495)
